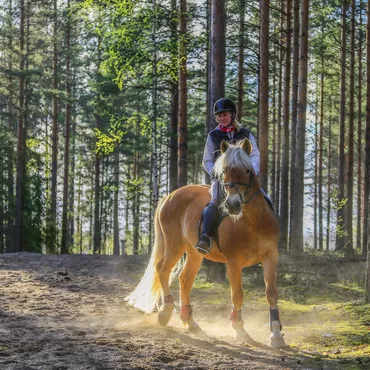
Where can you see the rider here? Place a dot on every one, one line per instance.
(230, 130)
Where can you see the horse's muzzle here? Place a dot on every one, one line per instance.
(233, 205)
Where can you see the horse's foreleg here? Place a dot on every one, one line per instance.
(187, 276)
(270, 274)
(234, 272)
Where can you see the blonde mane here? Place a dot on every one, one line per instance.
(234, 157)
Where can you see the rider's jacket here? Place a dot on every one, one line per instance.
(213, 144)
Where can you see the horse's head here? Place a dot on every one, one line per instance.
(235, 172)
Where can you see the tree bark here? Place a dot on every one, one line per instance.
(295, 79)
(65, 235)
(183, 128)
(240, 83)
(264, 93)
(359, 140)
(174, 106)
(340, 240)
(367, 142)
(297, 215)
(19, 198)
(284, 214)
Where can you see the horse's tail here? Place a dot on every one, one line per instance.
(148, 292)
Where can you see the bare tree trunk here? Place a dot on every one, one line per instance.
(295, 76)
(52, 227)
(216, 271)
(284, 214)
(240, 83)
(367, 147)
(351, 128)
(342, 119)
(183, 128)
(264, 92)
(329, 180)
(19, 199)
(315, 172)
(274, 129)
(279, 116)
(10, 236)
(174, 106)
(297, 216)
(321, 150)
(97, 188)
(218, 50)
(359, 139)
(116, 242)
(65, 237)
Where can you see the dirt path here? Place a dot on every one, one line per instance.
(67, 312)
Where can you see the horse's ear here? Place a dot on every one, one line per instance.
(224, 146)
(247, 146)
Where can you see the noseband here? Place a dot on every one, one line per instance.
(243, 196)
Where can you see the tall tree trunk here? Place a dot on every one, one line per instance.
(367, 148)
(351, 129)
(19, 199)
(216, 271)
(297, 215)
(264, 92)
(174, 105)
(10, 236)
(274, 129)
(340, 241)
(359, 138)
(329, 200)
(315, 170)
(209, 108)
(240, 83)
(52, 227)
(284, 214)
(97, 188)
(65, 237)
(154, 159)
(321, 150)
(116, 243)
(295, 79)
(183, 128)
(218, 50)
(279, 116)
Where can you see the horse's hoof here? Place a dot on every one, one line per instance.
(164, 315)
(277, 341)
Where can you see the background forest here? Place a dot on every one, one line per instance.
(105, 106)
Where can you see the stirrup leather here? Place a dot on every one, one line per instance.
(201, 246)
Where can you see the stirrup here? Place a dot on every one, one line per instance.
(202, 248)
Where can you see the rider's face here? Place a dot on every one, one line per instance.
(224, 118)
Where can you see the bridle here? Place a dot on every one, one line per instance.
(243, 196)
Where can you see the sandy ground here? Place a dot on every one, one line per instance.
(67, 312)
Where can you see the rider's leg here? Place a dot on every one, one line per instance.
(210, 216)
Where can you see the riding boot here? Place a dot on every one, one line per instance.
(210, 216)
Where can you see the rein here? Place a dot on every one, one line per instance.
(242, 196)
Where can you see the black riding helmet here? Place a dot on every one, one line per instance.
(224, 105)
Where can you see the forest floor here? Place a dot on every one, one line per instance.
(66, 312)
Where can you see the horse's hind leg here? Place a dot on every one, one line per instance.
(187, 276)
(171, 256)
(270, 274)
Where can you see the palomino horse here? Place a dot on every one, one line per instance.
(249, 236)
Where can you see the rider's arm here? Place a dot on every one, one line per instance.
(255, 154)
(208, 156)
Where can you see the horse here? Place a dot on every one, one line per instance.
(248, 236)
